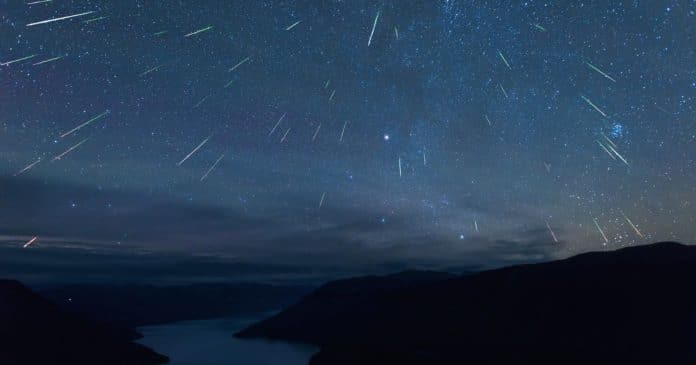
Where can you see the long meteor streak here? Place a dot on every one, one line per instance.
(25, 169)
(212, 167)
(59, 18)
(70, 149)
(374, 25)
(32, 240)
(194, 150)
(83, 124)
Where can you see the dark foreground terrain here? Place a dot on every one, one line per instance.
(34, 331)
(632, 306)
(133, 305)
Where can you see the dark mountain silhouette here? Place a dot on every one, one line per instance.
(137, 305)
(634, 305)
(35, 331)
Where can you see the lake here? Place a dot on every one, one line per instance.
(210, 342)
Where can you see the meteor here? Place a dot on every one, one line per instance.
(194, 150)
(239, 64)
(599, 71)
(212, 167)
(374, 25)
(293, 25)
(321, 201)
(592, 105)
(84, 124)
(17, 60)
(343, 131)
(277, 124)
(49, 60)
(30, 242)
(551, 231)
(70, 149)
(600, 231)
(632, 225)
(504, 60)
(285, 135)
(59, 18)
(199, 31)
(25, 169)
(316, 132)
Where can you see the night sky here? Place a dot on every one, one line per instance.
(455, 134)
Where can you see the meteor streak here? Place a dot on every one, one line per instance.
(592, 105)
(25, 169)
(293, 25)
(70, 150)
(316, 132)
(194, 150)
(30, 242)
(199, 31)
(599, 71)
(83, 124)
(343, 131)
(277, 124)
(212, 167)
(374, 25)
(239, 64)
(553, 235)
(49, 60)
(600, 231)
(59, 18)
(17, 60)
(504, 60)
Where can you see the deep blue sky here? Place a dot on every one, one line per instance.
(470, 131)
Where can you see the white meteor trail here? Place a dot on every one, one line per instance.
(316, 132)
(503, 90)
(150, 70)
(592, 105)
(396, 33)
(537, 26)
(332, 95)
(293, 25)
(277, 124)
(239, 64)
(201, 102)
(39, 2)
(399, 166)
(70, 150)
(343, 131)
(212, 167)
(17, 60)
(285, 135)
(504, 60)
(606, 150)
(372, 33)
(600, 231)
(49, 60)
(487, 120)
(632, 225)
(618, 154)
(600, 71)
(26, 168)
(83, 124)
(199, 31)
(321, 201)
(194, 150)
(32, 240)
(476, 225)
(59, 18)
(553, 235)
(93, 20)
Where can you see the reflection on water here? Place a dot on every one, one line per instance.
(210, 342)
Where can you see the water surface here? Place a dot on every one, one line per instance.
(210, 342)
